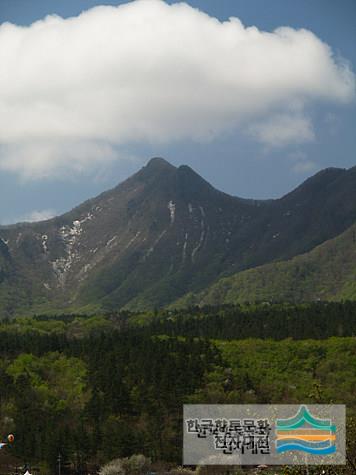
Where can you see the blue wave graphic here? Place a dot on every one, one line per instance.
(309, 450)
(304, 443)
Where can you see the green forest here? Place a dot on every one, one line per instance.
(98, 388)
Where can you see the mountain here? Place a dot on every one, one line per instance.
(328, 272)
(162, 233)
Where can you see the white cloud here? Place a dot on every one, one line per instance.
(305, 167)
(302, 164)
(151, 72)
(44, 158)
(36, 215)
(283, 129)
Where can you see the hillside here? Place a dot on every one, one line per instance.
(328, 272)
(162, 233)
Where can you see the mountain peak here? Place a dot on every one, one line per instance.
(159, 162)
(156, 169)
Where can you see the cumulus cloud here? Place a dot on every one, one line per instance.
(73, 90)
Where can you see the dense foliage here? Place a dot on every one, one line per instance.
(100, 388)
(313, 320)
(98, 396)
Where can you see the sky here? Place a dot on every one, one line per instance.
(256, 96)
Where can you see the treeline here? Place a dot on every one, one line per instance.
(317, 320)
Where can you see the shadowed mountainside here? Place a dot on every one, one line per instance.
(328, 272)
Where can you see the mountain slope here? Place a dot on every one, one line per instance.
(328, 272)
(162, 233)
(151, 228)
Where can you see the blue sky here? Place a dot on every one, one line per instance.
(258, 141)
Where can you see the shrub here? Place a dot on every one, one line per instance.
(113, 468)
(134, 465)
